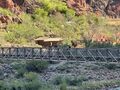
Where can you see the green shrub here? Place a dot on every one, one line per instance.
(111, 66)
(31, 76)
(75, 81)
(71, 81)
(36, 66)
(58, 80)
(90, 86)
(20, 67)
(63, 86)
(33, 83)
(30, 82)
(31, 66)
(21, 72)
(56, 5)
(97, 85)
(5, 12)
(40, 13)
(23, 33)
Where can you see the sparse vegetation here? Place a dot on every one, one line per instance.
(37, 66)
(55, 17)
(33, 78)
(70, 81)
(31, 66)
(6, 12)
(97, 85)
(30, 81)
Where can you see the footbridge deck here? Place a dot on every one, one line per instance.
(77, 54)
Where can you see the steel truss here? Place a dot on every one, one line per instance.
(76, 54)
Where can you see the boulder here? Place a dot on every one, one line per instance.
(4, 19)
(19, 2)
(6, 71)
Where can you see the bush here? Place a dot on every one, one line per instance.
(33, 83)
(5, 12)
(98, 85)
(31, 76)
(30, 82)
(63, 86)
(39, 13)
(36, 66)
(31, 66)
(71, 81)
(20, 67)
(58, 80)
(23, 33)
(111, 66)
(75, 81)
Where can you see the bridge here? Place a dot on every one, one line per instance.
(58, 54)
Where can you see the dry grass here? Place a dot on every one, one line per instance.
(2, 34)
(115, 22)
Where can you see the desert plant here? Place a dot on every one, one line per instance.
(111, 66)
(5, 12)
(58, 80)
(63, 86)
(37, 66)
(20, 68)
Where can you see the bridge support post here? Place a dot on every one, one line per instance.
(40, 53)
(58, 53)
(2, 49)
(24, 52)
(32, 53)
(49, 51)
(9, 52)
(17, 54)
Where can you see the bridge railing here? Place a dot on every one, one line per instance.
(82, 54)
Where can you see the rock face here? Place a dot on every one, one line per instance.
(79, 6)
(13, 6)
(10, 3)
(6, 3)
(113, 8)
(18, 6)
(109, 8)
(18, 2)
(4, 19)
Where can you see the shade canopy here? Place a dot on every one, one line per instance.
(45, 41)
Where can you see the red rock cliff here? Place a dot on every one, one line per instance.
(6, 3)
(100, 7)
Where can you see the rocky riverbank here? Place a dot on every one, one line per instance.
(91, 71)
(7, 71)
(77, 74)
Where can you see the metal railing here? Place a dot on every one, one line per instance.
(76, 54)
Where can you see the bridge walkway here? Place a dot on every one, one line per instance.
(56, 54)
